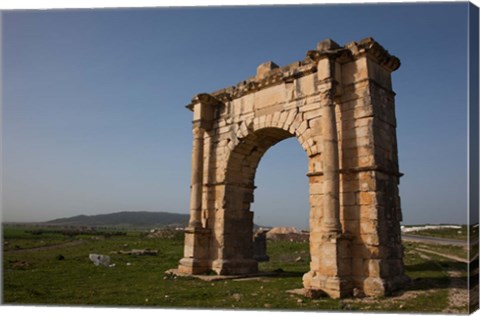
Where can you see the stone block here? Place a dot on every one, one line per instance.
(379, 74)
(316, 188)
(292, 114)
(282, 119)
(358, 267)
(374, 286)
(312, 114)
(296, 123)
(323, 69)
(369, 212)
(348, 199)
(351, 226)
(305, 86)
(370, 239)
(264, 69)
(354, 71)
(268, 97)
(351, 212)
(366, 198)
(302, 128)
(374, 267)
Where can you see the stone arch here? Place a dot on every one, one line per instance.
(241, 166)
(338, 103)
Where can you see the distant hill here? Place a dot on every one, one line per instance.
(130, 219)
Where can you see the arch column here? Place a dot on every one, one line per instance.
(331, 184)
(197, 178)
(196, 251)
(329, 266)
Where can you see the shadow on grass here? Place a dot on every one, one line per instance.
(434, 275)
(286, 274)
(432, 266)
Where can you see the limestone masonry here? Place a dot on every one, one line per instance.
(339, 104)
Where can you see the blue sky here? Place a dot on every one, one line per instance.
(94, 118)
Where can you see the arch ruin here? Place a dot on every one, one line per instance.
(339, 104)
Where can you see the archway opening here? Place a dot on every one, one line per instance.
(281, 194)
(241, 245)
(281, 209)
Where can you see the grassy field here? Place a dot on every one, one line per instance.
(448, 233)
(60, 273)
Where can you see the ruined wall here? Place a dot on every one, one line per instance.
(339, 104)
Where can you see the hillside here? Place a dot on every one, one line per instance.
(130, 219)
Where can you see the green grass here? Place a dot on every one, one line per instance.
(76, 281)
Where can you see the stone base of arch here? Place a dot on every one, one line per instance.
(235, 267)
(331, 271)
(196, 251)
(330, 268)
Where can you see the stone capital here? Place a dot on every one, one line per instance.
(205, 98)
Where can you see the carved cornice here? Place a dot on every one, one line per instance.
(341, 55)
(376, 51)
(203, 98)
(289, 73)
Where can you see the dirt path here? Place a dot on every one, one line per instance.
(458, 289)
(443, 255)
(49, 247)
(458, 294)
(434, 240)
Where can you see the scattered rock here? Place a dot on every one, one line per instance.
(299, 259)
(300, 292)
(138, 252)
(268, 305)
(287, 233)
(99, 259)
(314, 294)
(165, 233)
(112, 265)
(237, 297)
(20, 265)
(299, 301)
(346, 307)
(128, 264)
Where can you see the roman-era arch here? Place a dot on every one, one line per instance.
(339, 104)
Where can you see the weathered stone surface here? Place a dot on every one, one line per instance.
(339, 105)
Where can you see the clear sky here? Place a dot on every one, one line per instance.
(94, 118)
